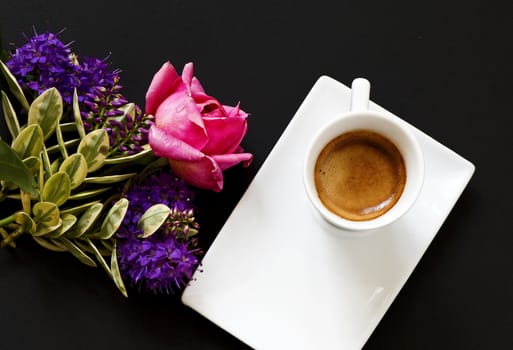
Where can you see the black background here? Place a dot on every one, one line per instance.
(444, 66)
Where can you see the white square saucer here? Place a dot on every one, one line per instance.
(278, 277)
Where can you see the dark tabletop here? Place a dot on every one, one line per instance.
(444, 66)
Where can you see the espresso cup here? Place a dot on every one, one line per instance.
(364, 169)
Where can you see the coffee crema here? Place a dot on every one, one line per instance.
(360, 175)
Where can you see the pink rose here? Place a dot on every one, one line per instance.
(198, 135)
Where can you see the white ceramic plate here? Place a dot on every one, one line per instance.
(278, 277)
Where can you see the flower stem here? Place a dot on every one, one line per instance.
(7, 220)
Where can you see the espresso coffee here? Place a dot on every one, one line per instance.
(360, 175)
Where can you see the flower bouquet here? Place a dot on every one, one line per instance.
(88, 172)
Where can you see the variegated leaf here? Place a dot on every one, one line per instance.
(76, 251)
(77, 117)
(29, 142)
(113, 219)
(147, 152)
(46, 111)
(108, 179)
(153, 219)
(54, 166)
(116, 273)
(79, 208)
(46, 214)
(27, 225)
(45, 243)
(88, 194)
(14, 86)
(86, 221)
(108, 244)
(68, 221)
(57, 188)
(95, 147)
(10, 116)
(76, 167)
(68, 144)
(43, 230)
(98, 256)
(60, 141)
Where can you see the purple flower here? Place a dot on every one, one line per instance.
(45, 62)
(165, 261)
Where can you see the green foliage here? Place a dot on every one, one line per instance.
(13, 86)
(10, 116)
(153, 219)
(12, 169)
(46, 111)
(94, 147)
(63, 178)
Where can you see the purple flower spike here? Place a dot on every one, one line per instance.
(163, 262)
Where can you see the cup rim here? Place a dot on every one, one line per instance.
(413, 183)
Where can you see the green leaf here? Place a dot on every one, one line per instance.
(99, 257)
(76, 115)
(46, 111)
(43, 230)
(55, 166)
(68, 144)
(108, 244)
(27, 225)
(29, 142)
(76, 167)
(68, 221)
(152, 219)
(57, 188)
(10, 116)
(14, 170)
(33, 163)
(60, 141)
(95, 147)
(113, 219)
(76, 251)
(128, 109)
(45, 214)
(86, 221)
(116, 273)
(108, 179)
(126, 159)
(88, 194)
(79, 208)
(43, 242)
(14, 86)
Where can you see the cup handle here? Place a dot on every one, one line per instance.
(360, 91)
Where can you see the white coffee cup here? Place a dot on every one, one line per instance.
(395, 130)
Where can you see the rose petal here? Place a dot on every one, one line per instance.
(161, 86)
(187, 75)
(235, 111)
(187, 162)
(167, 145)
(179, 115)
(225, 161)
(204, 173)
(196, 87)
(224, 134)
